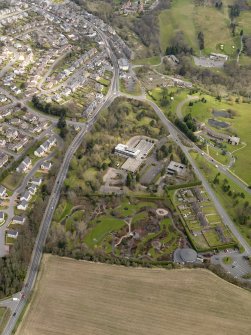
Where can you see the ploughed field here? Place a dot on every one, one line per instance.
(75, 297)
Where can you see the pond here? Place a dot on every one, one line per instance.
(221, 114)
(218, 124)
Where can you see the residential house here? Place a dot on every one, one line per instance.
(18, 220)
(40, 151)
(26, 196)
(46, 166)
(24, 166)
(1, 217)
(22, 205)
(32, 189)
(3, 192)
(3, 159)
(12, 233)
(36, 181)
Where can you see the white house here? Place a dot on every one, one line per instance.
(1, 217)
(23, 205)
(26, 196)
(46, 166)
(36, 181)
(12, 234)
(39, 152)
(24, 166)
(3, 192)
(18, 220)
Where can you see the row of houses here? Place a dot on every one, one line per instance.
(45, 147)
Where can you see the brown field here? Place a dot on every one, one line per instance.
(81, 298)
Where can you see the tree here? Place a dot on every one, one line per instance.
(201, 40)
(62, 126)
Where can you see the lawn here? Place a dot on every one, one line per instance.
(218, 156)
(105, 299)
(155, 60)
(5, 313)
(104, 225)
(184, 16)
(13, 180)
(228, 260)
(127, 208)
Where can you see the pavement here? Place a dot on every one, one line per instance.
(239, 267)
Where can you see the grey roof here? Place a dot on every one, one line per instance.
(186, 255)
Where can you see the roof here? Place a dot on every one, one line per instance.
(18, 218)
(176, 167)
(2, 189)
(186, 255)
(23, 203)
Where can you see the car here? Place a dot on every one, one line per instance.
(216, 166)
(14, 314)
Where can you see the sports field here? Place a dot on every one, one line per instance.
(74, 297)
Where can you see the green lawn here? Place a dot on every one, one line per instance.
(5, 314)
(107, 225)
(128, 209)
(190, 19)
(62, 211)
(217, 155)
(13, 180)
(155, 60)
(228, 260)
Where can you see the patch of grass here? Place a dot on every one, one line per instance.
(227, 260)
(5, 314)
(104, 225)
(218, 156)
(155, 60)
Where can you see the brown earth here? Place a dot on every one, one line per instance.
(82, 298)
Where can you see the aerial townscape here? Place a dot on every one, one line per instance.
(125, 167)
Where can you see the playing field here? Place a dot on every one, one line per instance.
(75, 297)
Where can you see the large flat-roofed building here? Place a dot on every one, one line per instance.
(123, 64)
(124, 150)
(216, 56)
(176, 168)
(234, 140)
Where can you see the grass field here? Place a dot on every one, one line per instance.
(110, 300)
(4, 316)
(185, 16)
